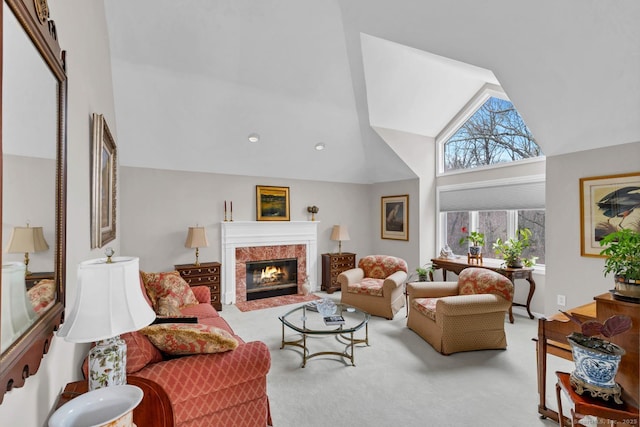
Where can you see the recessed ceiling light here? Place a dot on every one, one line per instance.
(254, 137)
(320, 146)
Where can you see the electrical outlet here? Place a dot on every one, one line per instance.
(562, 300)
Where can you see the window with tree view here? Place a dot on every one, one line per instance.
(494, 134)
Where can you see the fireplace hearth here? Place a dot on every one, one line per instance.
(271, 278)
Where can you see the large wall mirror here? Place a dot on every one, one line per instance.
(33, 209)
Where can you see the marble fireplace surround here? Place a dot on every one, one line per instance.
(247, 239)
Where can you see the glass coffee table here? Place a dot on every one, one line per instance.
(308, 322)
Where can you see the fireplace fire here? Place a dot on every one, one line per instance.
(271, 278)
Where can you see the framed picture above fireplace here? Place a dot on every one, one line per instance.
(272, 203)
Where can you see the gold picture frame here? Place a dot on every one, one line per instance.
(272, 203)
(395, 217)
(103, 184)
(607, 203)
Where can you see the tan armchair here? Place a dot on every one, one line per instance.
(463, 316)
(376, 285)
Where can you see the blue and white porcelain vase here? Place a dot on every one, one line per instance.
(596, 368)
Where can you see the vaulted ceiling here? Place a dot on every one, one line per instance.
(193, 78)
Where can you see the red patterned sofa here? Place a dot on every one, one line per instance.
(376, 285)
(221, 389)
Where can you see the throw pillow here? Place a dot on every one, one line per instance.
(42, 294)
(184, 338)
(140, 351)
(168, 285)
(168, 307)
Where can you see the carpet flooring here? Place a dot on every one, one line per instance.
(399, 380)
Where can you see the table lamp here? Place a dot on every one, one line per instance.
(340, 233)
(109, 302)
(17, 310)
(27, 239)
(196, 238)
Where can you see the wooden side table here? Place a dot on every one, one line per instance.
(154, 410)
(332, 266)
(607, 412)
(205, 274)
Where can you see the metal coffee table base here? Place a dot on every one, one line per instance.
(348, 338)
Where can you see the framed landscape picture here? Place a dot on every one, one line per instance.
(395, 217)
(607, 204)
(272, 203)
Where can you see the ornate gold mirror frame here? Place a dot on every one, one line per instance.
(22, 358)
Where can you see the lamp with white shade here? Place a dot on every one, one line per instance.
(340, 233)
(196, 238)
(109, 302)
(27, 239)
(17, 310)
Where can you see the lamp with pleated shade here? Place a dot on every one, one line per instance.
(27, 239)
(196, 238)
(109, 302)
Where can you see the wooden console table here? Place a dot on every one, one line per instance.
(456, 265)
(154, 410)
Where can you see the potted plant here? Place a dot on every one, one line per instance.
(476, 240)
(423, 273)
(511, 249)
(623, 260)
(596, 358)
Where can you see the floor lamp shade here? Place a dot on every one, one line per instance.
(109, 302)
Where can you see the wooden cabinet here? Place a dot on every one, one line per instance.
(332, 266)
(205, 274)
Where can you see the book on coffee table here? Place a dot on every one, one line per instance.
(334, 320)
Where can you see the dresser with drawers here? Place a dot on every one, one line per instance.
(332, 266)
(205, 274)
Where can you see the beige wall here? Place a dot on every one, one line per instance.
(578, 278)
(82, 32)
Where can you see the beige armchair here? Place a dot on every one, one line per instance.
(376, 285)
(463, 316)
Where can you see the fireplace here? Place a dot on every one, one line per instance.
(244, 241)
(271, 278)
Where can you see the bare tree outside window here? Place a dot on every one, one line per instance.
(495, 133)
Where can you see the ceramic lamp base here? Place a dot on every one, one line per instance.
(107, 363)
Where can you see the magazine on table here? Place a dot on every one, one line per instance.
(334, 320)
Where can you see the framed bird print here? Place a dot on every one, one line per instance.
(607, 204)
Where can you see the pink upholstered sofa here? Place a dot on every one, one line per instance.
(221, 389)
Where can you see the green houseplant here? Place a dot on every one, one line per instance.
(423, 272)
(623, 261)
(511, 249)
(476, 240)
(596, 358)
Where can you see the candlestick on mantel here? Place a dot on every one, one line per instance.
(231, 211)
(225, 211)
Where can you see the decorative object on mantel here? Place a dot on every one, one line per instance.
(196, 238)
(596, 358)
(395, 217)
(623, 260)
(340, 233)
(109, 302)
(313, 210)
(27, 239)
(106, 407)
(230, 211)
(272, 203)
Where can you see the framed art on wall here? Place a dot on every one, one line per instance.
(607, 204)
(103, 184)
(395, 217)
(272, 203)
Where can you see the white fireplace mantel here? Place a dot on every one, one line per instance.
(240, 234)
